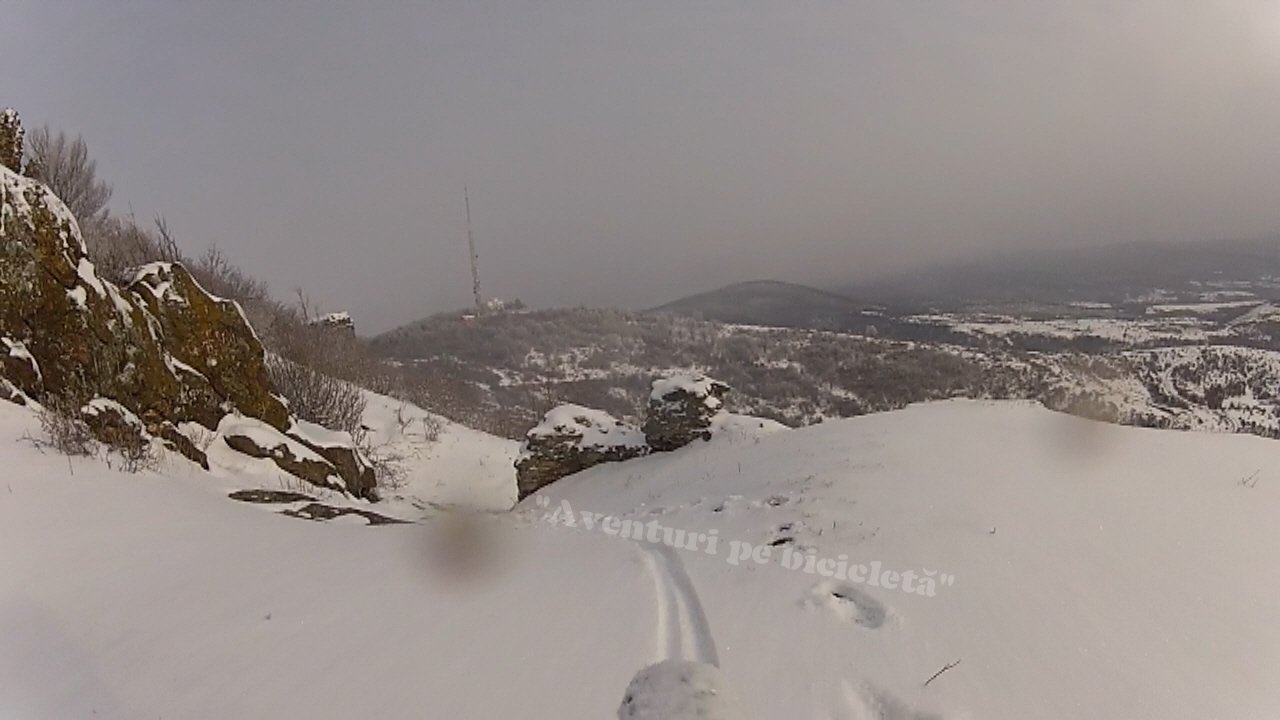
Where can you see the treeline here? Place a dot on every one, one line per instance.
(505, 370)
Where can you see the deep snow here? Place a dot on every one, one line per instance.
(1094, 571)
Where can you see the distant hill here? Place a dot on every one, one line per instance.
(1115, 274)
(1126, 278)
(772, 303)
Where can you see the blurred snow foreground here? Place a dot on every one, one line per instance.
(680, 690)
(1101, 572)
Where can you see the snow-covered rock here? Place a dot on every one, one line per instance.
(336, 321)
(682, 408)
(572, 438)
(212, 336)
(18, 367)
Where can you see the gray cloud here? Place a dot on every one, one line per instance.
(623, 153)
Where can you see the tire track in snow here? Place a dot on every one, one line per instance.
(682, 632)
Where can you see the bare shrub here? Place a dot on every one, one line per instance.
(219, 276)
(127, 449)
(64, 429)
(316, 397)
(119, 245)
(390, 464)
(303, 337)
(425, 428)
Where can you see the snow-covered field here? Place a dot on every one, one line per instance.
(1167, 329)
(1059, 568)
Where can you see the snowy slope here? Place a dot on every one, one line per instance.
(444, 463)
(1079, 570)
(441, 463)
(1099, 571)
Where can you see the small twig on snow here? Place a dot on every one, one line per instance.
(945, 668)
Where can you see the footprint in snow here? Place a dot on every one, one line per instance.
(864, 701)
(772, 501)
(848, 603)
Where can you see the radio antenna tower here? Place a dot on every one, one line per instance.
(475, 258)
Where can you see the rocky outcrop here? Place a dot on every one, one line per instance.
(85, 336)
(212, 338)
(288, 457)
(11, 135)
(19, 371)
(339, 323)
(10, 393)
(357, 476)
(681, 410)
(262, 496)
(321, 512)
(174, 440)
(141, 361)
(570, 439)
(328, 464)
(113, 424)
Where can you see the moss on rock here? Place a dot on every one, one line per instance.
(211, 336)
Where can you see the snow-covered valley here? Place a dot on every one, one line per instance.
(1059, 568)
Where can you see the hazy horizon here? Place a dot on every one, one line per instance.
(627, 154)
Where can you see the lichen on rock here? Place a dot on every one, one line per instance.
(211, 336)
(84, 335)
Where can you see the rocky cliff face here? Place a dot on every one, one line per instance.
(162, 350)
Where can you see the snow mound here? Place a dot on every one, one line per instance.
(734, 426)
(319, 435)
(680, 690)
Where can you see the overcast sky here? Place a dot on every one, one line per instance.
(625, 153)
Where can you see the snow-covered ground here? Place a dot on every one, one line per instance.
(1202, 308)
(440, 463)
(1172, 328)
(444, 463)
(1059, 568)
